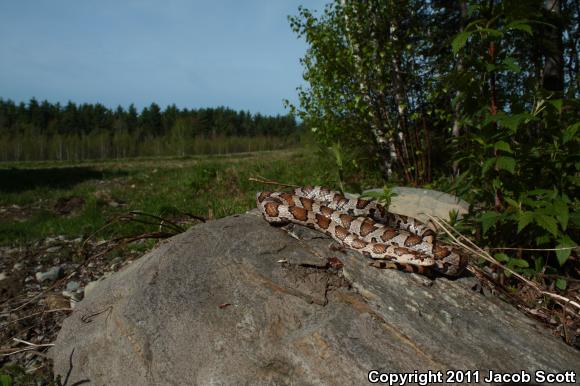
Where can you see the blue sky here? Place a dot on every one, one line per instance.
(240, 54)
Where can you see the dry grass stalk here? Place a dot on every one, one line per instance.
(468, 245)
(263, 180)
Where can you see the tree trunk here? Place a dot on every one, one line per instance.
(456, 122)
(377, 128)
(553, 76)
(456, 132)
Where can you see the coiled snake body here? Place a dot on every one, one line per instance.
(364, 226)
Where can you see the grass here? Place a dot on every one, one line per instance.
(208, 186)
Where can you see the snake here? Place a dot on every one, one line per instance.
(391, 240)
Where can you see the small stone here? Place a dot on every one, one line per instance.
(72, 286)
(51, 275)
(76, 296)
(117, 260)
(53, 249)
(3, 276)
(50, 240)
(55, 301)
(17, 267)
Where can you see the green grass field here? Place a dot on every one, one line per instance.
(32, 195)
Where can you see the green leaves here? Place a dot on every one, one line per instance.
(511, 262)
(560, 210)
(483, 28)
(459, 41)
(570, 133)
(501, 257)
(524, 219)
(5, 380)
(510, 64)
(385, 197)
(557, 103)
(521, 25)
(503, 145)
(472, 28)
(550, 211)
(514, 121)
(547, 222)
(487, 165)
(519, 151)
(506, 163)
(488, 220)
(561, 283)
(544, 214)
(520, 263)
(564, 248)
(498, 162)
(501, 163)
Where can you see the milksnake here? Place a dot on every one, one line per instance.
(390, 239)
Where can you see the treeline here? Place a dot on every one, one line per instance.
(48, 131)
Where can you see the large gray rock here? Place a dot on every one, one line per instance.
(239, 302)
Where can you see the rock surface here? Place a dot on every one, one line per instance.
(236, 301)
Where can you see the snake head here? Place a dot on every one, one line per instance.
(261, 196)
(451, 265)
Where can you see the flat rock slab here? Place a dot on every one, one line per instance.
(422, 203)
(238, 302)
